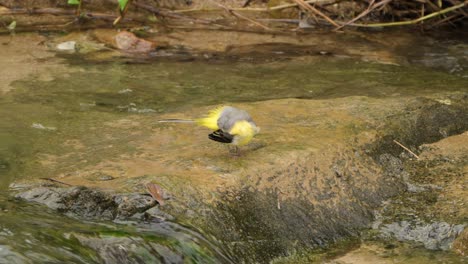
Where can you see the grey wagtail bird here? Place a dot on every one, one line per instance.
(229, 124)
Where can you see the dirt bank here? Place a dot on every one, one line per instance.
(266, 16)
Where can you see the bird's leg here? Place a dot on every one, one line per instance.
(234, 151)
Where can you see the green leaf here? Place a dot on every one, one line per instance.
(12, 26)
(73, 2)
(123, 4)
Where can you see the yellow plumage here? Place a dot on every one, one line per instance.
(229, 125)
(243, 131)
(211, 119)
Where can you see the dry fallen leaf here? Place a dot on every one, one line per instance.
(156, 192)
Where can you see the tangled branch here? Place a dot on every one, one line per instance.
(370, 13)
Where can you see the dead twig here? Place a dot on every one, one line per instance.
(449, 19)
(236, 14)
(414, 21)
(48, 11)
(171, 14)
(315, 11)
(255, 9)
(463, 12)
(54, 11)
(405, 148)
(372, 6)
(56, 181)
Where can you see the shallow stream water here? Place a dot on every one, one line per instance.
(46, 110)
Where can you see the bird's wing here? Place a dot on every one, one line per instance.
(221, 136)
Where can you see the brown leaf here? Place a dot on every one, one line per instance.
(156, 192)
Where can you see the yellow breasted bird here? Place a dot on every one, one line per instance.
(229, 125)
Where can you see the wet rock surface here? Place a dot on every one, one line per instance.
(296, 193)
(90, 203)
(291, 196)
(313, 176)
(129, 250)
(345, 184)
(433, 210)
(435, 236)
(82, 238)
(373, 252)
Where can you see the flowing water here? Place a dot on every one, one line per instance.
(29, 233)
(46, 110)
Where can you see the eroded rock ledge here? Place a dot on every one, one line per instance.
(86, 203)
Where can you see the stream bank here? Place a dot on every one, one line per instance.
(274, 16)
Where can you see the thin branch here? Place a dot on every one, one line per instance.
(279, 7)
(56, 181)
(254, 9)
(449, 19)
(405, 148)
(315, 11)
(171, 14)
(55, 11)
(414, 21)
(372, 6)
(230, 11)
(463, 12)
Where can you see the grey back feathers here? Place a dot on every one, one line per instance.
(230, 115)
